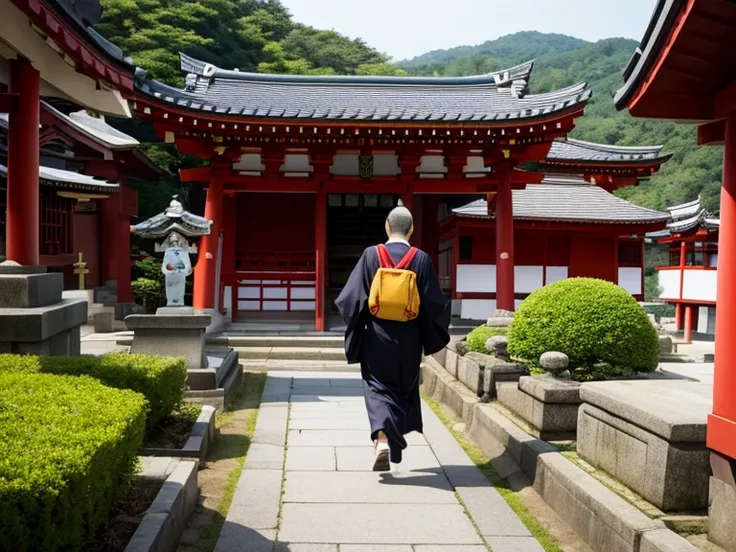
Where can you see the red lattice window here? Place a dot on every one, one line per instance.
(56, 224)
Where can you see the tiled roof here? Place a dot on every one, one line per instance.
(685, 209)
(489, 98)
(174, 219)
(95, 128)
(687, 217)
(86, 14)
(569, 200)
(57, 177)
(567, 149)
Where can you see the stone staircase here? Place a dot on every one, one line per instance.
(298, 352)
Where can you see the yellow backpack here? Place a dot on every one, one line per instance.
(394, 293)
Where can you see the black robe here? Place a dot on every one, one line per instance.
(390, 352)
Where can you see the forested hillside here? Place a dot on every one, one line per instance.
(260, 35)
(561, 61)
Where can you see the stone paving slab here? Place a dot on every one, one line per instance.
(350, 422)
(416, 458)
(377, 524)
(312, 436)
(340, 438)
(310, 458)
(366, 487)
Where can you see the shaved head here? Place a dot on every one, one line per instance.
(400, 223)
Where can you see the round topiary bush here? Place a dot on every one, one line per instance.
(595, 323)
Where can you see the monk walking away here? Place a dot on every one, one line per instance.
(395, 311)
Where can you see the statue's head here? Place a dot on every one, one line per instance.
(174, 240)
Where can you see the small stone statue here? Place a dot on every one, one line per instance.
(173, 227)
(176, 267)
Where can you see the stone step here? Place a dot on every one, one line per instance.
(291, 353)
(300, 365)
(277, 341)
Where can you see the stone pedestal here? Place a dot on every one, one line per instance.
(34, 319)
(479, 372)
(721, 511)
(170, 335)
(548, 404)
(180, 332)
(650, 435)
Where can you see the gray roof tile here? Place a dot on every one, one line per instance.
(567, 149)
(569, 200)
(485, 98)
(57, 177)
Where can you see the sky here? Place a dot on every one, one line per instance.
(407, 28)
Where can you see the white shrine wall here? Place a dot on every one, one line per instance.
(698, 284)
(481, 279)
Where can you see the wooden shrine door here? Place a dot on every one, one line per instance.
(593, 257)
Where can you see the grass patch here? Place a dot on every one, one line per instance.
(242, 408)
(547, 541)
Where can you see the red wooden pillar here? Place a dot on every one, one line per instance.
(127, 201)
(679, 307)
(229, 232)
(722, 423)
(407, 200)
(504, 244)
(22, 235)
(320, 259)
(689, 319)
(111, 209)
(205, 273)
(431, 228)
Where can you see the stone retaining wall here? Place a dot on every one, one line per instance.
(605, 521)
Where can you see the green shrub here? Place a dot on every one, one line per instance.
(477, 338)
(161, 380)
(69, 452)
(592, 322)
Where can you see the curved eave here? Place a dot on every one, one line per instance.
(646, 55)
(658, 223)
(502, 77)
(92, 54)
(684, 67)
(653, 164)
(181, 103)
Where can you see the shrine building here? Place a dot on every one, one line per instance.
(689, 279)
(683, 70)
(303, 170)
(85, 199)
(60, 163)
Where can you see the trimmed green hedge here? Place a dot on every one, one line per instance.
(161, 380)
(69, 452)
(593, 322)
(477, 338)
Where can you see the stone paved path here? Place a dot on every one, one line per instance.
(307, 484)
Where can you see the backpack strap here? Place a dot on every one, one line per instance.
(408, 258)
(384, 257)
